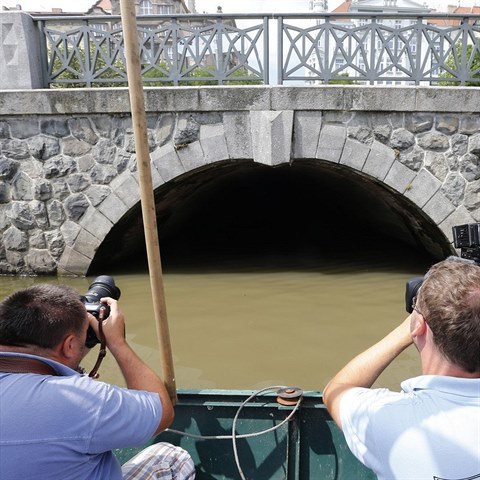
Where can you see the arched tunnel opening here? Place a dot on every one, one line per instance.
(304, 215)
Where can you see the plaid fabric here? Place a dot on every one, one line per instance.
(161, 461)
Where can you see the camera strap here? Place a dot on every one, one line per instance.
(14, 364)
(103, 345)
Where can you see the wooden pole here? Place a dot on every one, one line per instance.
(137, 105)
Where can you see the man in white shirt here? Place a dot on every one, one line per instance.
(430, 430)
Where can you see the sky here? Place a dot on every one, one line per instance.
(210, 6)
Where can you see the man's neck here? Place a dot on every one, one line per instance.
(434, 363)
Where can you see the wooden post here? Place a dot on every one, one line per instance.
(137, 105)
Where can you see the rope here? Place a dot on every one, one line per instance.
(234, 436)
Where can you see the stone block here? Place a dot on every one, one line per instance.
(330, 97)
(438, 208)
(155, 177)
(306, 131)
(272, 136)
(354, 154)
(423, 188)
(96, 223)
(41, 262)
(213, 142)
(439, 99)
(113, 208)
(86, 244)
(233, 98)
(126, 188)
(191, 156)
(171, 99)
(379, 160)
(20, 61)
(374, 98)
(70, 231)
(167, 163)
(237, 133)
(399, 177)
(73, 262)
(330, 143)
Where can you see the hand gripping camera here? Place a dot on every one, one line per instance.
(467, 239)
(102, 286)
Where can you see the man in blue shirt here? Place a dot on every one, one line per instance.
(58, 423)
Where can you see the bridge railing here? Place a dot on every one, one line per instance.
(227, 49)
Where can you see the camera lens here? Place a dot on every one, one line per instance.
(102, 286)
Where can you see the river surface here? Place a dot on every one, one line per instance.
(279, 322)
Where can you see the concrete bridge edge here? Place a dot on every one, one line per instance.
(254, 136)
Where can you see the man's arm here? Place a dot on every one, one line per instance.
(138, 375)
(365, 368)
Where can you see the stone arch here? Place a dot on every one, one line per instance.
(271, 138)
(382, 162)
(168, 162)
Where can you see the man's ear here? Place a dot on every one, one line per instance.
(67, 347)
(418, 325)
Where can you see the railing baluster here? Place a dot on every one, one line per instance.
(374, 49)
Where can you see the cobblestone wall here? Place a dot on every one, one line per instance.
(66, 179)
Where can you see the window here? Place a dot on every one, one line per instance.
(145, 7)
(98, 29)
(165, 9)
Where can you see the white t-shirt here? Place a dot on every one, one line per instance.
(429, 431)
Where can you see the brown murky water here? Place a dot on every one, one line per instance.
(247, 328)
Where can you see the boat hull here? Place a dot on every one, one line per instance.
(308, 446)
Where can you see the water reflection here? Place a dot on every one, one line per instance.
(272, 321)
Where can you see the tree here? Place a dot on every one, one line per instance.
(342, 81)
(68, 71)
(453, 64)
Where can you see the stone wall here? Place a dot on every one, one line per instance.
(68, 170)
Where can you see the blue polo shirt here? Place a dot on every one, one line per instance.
(66, 426)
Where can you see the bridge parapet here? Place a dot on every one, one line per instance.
(68, 170)
(419, 48)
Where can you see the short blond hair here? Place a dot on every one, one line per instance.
(449, 299)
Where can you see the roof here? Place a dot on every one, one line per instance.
(343, 7)
(446, 22)
(104, 6)
(379, 6)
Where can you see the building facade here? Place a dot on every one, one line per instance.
(353, 45)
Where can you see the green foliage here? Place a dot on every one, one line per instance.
(72, 76)
(74, 72)
(342, 81)
(453, 61)
(204, 72)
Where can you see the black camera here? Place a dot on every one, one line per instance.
(102, 286)
(467, 239)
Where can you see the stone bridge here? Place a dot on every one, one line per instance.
(404, 162)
